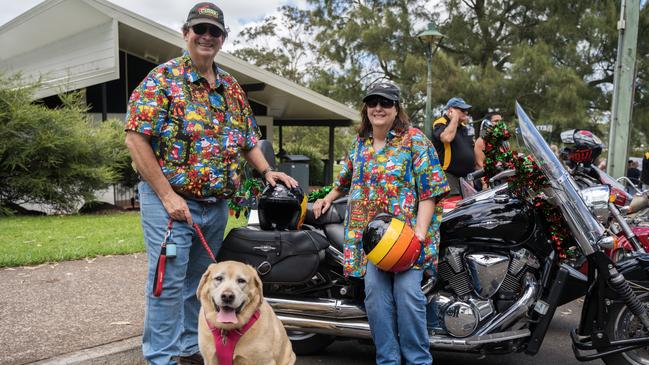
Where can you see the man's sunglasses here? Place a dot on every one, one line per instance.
(201, 28)
(385, 103)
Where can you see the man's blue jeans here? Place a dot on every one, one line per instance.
(171, 320)
(396, 310)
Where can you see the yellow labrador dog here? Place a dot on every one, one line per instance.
(231, 294)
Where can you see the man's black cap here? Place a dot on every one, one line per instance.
(385, 89)
(206, 13)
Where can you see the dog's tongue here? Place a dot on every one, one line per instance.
(227, 315)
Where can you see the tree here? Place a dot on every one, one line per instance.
(52, 156)
(555, 57)
(278, 44)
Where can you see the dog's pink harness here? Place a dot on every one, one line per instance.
(226, 341)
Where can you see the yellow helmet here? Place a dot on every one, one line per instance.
(390, 244)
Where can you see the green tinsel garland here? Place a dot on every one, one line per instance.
(250, 189)
(321, 193)
(528, 183)
(245, 197)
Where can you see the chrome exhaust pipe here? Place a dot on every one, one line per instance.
(355, 329)
(321, 308)
(361, 329)
(516, 311)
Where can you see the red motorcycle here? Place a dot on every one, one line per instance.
(627, 216)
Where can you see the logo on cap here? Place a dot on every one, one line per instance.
(206, 10)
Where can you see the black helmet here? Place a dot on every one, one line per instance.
(281, 207)
(582, 146)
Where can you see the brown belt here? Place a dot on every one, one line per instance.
(189, 196)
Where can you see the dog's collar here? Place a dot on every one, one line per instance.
(225, 341)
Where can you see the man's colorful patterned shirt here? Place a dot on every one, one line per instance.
(197, 131)
(393, 180)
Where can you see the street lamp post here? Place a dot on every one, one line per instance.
(430, 38)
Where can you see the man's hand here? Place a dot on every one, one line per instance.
(273, 176)
(177, 208)
(139, 146)
(457, 115)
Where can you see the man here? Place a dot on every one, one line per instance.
(453, 140)
(188, 123)
(489, 120)
(633, 173)
(644, 174)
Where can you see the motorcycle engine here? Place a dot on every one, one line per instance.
(478, 285)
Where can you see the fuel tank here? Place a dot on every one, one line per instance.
(501, 220)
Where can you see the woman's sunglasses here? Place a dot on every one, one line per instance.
(201, 28)
(385, 103)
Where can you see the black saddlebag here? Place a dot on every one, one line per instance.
(282, 257)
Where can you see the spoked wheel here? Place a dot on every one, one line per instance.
(305, 343)
(625, 325)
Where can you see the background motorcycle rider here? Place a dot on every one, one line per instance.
(391, 168)
(453, 140)
(490, 119)
(633, 173)
(644, 174)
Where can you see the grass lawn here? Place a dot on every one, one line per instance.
(35, 240)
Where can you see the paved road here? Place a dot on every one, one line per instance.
(556, 348)
(75, 305)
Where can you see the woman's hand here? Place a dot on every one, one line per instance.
(319, 207)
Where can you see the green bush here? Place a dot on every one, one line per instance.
(52, 156)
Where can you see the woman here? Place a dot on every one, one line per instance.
(391, 168)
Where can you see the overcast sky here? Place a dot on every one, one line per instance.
(172, 13)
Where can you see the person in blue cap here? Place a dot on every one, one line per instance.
(453, 140)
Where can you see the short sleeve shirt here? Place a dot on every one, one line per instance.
(392, 180)
(197, 131)
(457, 157)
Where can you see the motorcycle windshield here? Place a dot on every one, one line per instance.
(582, 223)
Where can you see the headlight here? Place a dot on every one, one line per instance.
(596, 199)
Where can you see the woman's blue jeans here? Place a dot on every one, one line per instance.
(171, 320)
(396, 310)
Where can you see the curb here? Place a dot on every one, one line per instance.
(126, 352)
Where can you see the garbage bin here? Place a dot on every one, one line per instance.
(296, 166)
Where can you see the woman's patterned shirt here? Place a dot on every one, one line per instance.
(197, 131)
(393, 180)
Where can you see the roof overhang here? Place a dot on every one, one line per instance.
(75, 43)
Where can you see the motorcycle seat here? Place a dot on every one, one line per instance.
(334, 215)
(336, 235)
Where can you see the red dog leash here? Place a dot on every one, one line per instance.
(162, 259)
(203, 242)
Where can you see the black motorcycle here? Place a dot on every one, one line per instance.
(500, 277)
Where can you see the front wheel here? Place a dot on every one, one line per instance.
(305, 343)
(624, 325)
